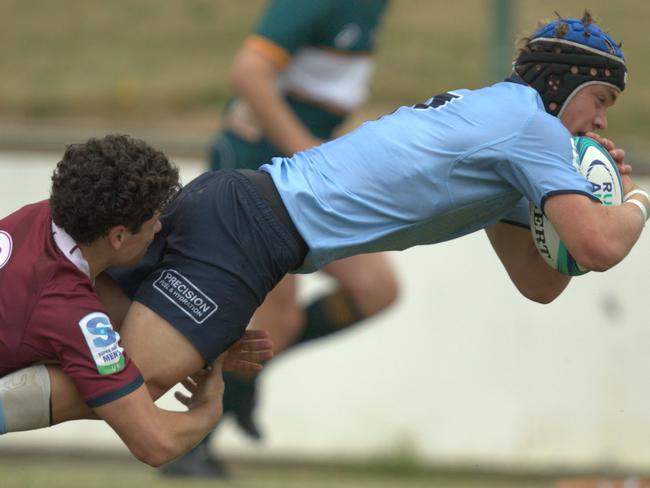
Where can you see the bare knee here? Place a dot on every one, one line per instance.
(284, 322)
(369, 280)
(373, 293)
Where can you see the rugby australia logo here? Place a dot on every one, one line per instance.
(182, 293)
(604, 190)
(6, 246)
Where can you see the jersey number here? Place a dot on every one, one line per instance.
(438, 101)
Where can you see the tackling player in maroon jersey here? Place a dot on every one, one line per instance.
(103, 211)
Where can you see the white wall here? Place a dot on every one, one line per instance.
(463, 369)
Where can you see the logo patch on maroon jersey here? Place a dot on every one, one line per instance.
(103, 343)
(6, 245)
(182, 293)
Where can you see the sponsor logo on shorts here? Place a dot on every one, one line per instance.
(6, 245)
(182, 293)
(103, 343)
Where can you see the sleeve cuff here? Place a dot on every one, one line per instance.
(115, 394)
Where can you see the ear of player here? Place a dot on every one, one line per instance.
(596, 164)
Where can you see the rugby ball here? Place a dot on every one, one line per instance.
(595, 163)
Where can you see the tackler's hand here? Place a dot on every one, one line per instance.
(249, 352)
(204, 387)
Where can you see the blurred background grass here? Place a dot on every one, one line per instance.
(85, 472)
(163, 64)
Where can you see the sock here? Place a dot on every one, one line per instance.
(327, 315)
(204, 444)
(238, 389)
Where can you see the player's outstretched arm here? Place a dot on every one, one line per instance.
(39, 387)
(535, 279)
(598, 236)
(246, 355)
(156, 436)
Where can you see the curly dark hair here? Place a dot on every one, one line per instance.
(115, 180)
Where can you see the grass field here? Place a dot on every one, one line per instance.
(164, 62)
(95, 473)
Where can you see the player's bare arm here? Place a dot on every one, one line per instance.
(245, 356)
(254, 76)
(598, 236)
(535, 279)
(156, 436)
(116, 302)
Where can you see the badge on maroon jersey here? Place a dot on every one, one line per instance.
(6, 245)
(103, 342)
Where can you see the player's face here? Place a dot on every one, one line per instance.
(136, 244)
(587, 110)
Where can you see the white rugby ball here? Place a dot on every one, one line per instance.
(596, 164)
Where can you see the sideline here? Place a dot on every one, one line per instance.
(53, 138)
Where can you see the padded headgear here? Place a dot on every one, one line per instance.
(564, 55)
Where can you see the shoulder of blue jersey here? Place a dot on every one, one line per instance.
(595, 163)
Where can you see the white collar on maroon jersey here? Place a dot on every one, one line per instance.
(70, 249)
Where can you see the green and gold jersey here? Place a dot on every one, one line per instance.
(323, 46)
(322, 49)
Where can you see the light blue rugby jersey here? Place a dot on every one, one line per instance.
(425, 175)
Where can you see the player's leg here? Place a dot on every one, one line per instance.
(367, 285)
(283, 318)
(65, 401)
(163, 355)
(43, 395)
(117, 303)
(231, 278)
(281, 315)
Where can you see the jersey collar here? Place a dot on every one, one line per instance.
(515, 78)
(70, 249)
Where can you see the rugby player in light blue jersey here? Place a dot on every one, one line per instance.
(462, 161)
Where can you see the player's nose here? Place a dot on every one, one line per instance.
(600, 121)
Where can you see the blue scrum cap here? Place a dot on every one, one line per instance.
(566, 54)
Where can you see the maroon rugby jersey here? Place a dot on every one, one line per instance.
(49, 311)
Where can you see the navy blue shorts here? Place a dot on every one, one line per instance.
(223, 246)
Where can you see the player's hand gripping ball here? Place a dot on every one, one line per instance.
(595, 163)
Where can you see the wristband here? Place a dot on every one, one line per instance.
(644, 210)
(638, 191)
